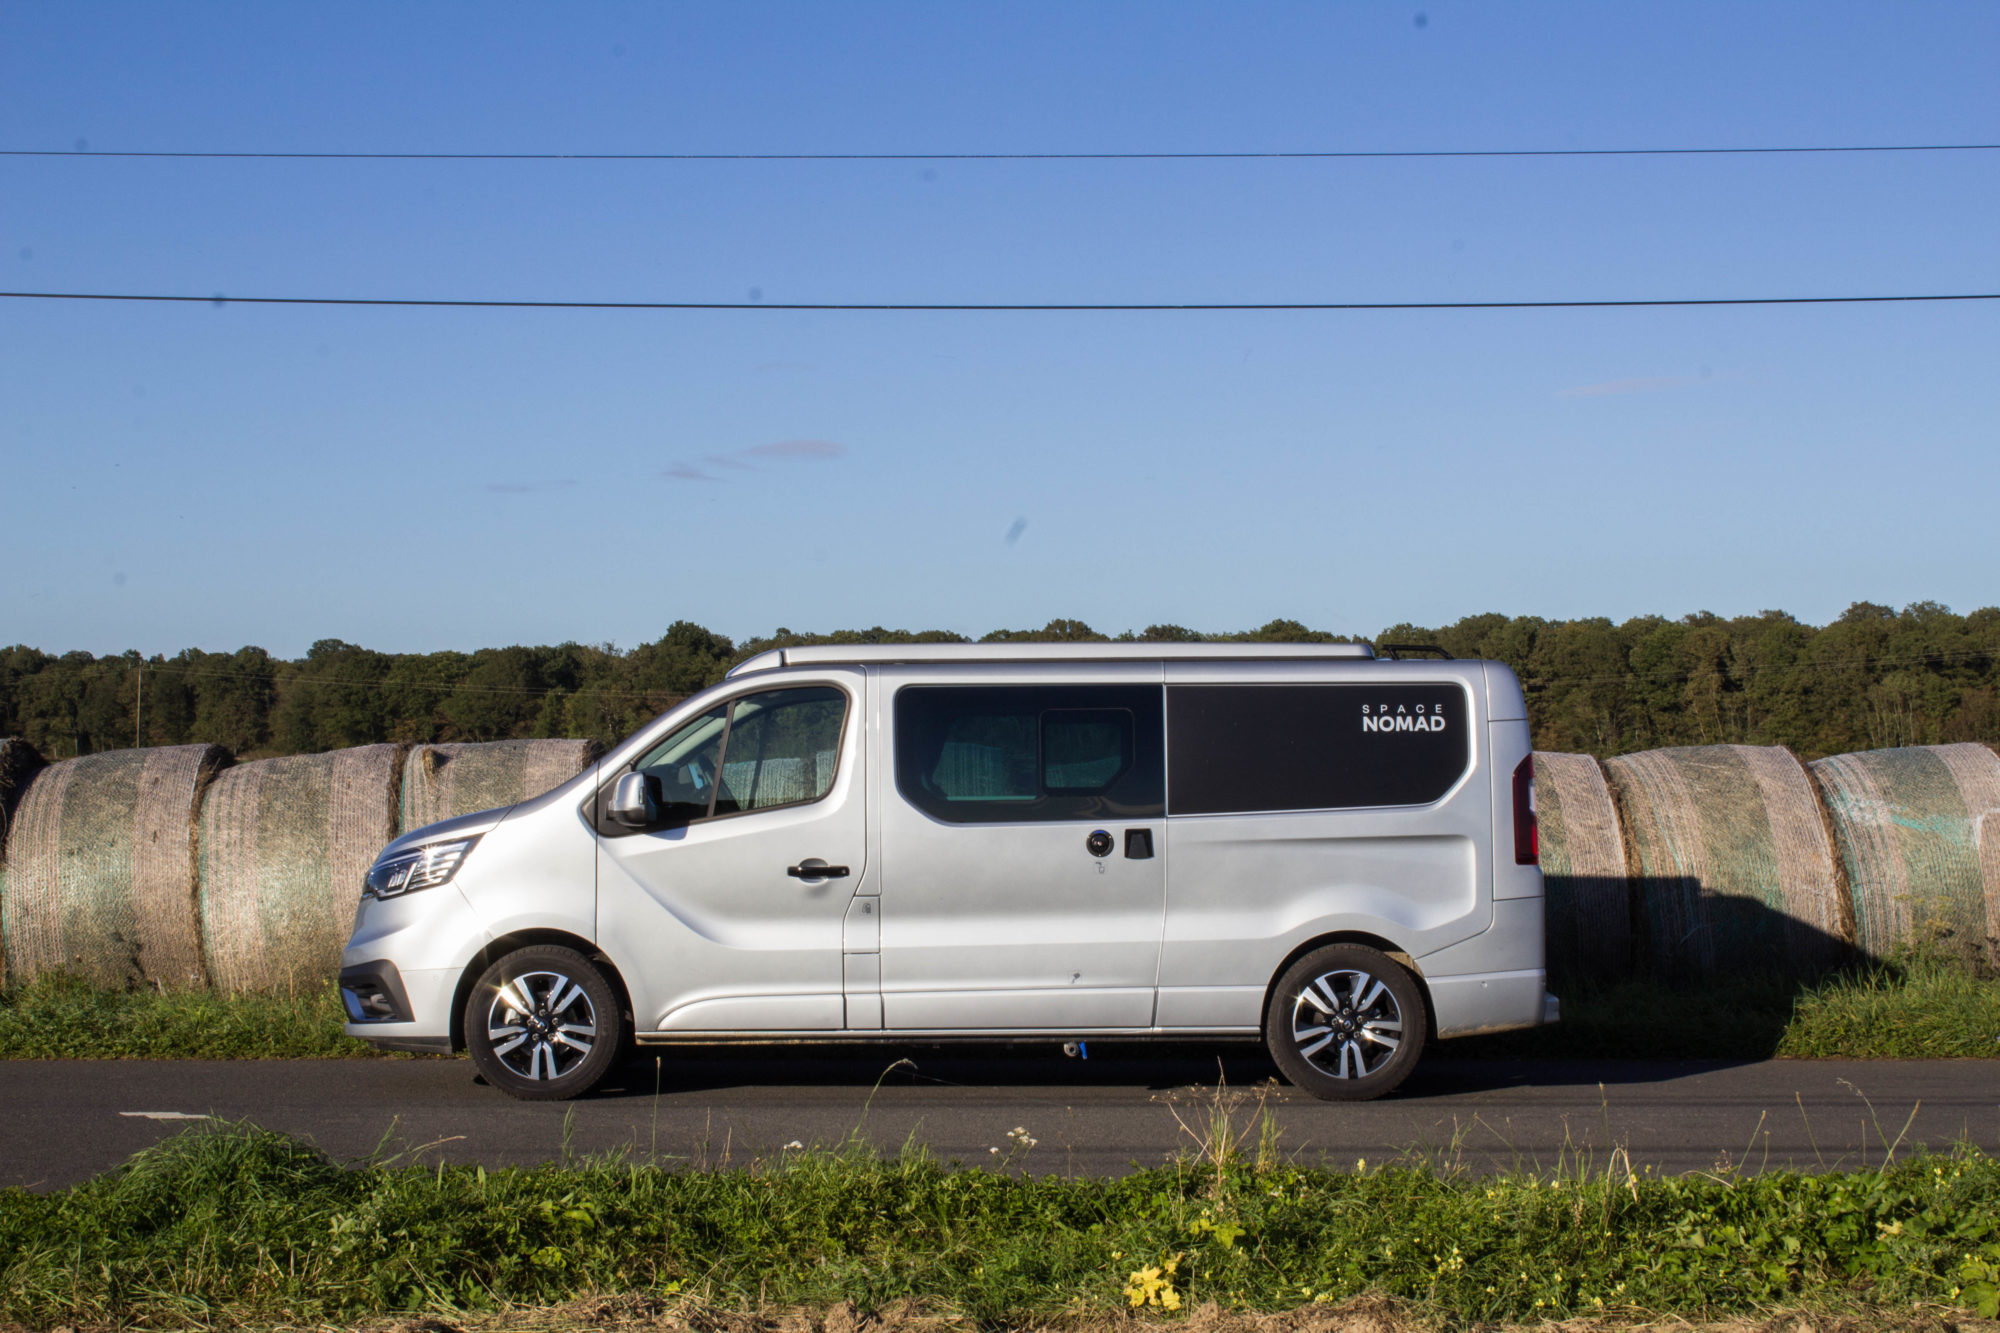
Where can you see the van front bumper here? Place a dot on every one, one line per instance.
(394, 1010)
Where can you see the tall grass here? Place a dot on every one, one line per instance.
(235, 1224)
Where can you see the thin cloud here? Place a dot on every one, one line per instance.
(797, 449)
(1654, 384)
(738, 460)
(530, 487)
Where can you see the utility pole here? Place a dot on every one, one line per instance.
(139, 713)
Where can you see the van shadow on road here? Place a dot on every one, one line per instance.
(1154, 1067)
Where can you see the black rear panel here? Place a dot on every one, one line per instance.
(1234, 749)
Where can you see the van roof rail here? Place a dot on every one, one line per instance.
(830, 654)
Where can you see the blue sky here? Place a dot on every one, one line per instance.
(419, 479)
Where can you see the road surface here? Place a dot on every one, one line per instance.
(1121, 1108)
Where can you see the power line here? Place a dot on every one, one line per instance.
(1307, 155)
(289, 674)
(1679, 675)
(221, 299)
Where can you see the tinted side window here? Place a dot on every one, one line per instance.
(1244, 748)
(986, 754)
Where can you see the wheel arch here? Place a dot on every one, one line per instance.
(521, 939)
(1397, 954)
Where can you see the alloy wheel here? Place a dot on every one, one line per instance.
(541, 1025)
(1346, 1023)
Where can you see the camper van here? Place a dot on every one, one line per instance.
(1306, 845)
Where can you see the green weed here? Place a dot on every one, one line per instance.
(232, 1224)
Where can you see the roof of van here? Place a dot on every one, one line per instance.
(828, 654)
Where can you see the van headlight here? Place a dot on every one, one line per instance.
(415, 868)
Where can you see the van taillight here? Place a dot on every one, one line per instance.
(1527, 831)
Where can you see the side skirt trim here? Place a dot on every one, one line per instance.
(925, 1036)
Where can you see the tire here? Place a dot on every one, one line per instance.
(543, 1024)
(1345, 1023)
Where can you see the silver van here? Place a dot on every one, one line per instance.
(1299, 844)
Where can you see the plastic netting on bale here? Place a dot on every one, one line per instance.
(100, 869)
(1989, 871)
(440, 781)
(1731, 859)
(1908, 823)
(283, 846)
(1589, 918)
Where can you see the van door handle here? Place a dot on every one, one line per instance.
(806, 870)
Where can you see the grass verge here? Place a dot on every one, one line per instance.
(1919, 1008)
(1922, 1008)
(234, 1225)
(56, 1018)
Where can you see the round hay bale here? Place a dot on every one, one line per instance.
(1989, 873)
(283, 846)
(440, 781)
(1908, 822)
(1732, 860)
(100, 869)
(1589, 916)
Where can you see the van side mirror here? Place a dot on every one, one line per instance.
(633, 802)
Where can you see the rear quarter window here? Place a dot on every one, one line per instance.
(1238, 749)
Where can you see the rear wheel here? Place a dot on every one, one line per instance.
(543, 1024)
(1345, 1023)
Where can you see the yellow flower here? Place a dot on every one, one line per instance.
(1153, 1285)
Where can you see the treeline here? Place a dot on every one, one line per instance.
(1873, 678)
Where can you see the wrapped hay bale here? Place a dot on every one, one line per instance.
(1989, 873)
(1733, 860)
(440, 781)
(1583, 863)
(283, 846)
(1908, 822)
(100, 869)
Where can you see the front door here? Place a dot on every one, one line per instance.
(731, 908)
(1023, 876)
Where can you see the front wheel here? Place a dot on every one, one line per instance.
(1346, 1023)
(543, 1024)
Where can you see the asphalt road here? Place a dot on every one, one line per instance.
(63, 1121)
